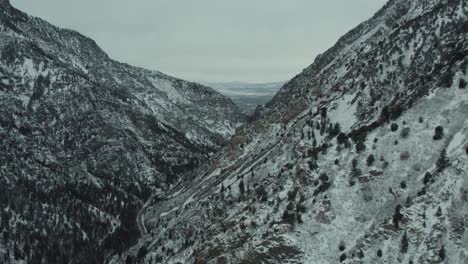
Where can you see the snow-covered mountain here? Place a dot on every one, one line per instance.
(85, 140)
(248, 96)
(361, 158)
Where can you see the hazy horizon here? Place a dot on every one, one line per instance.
(254, 41)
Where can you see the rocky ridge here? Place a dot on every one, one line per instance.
(85, 140)
(361, 158)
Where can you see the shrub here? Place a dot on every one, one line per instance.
(438, 133)
(405, 132)
(421, 120)
(404, 155)
(462, 84)
(397, 216)
(299, 218)
(342, 138)
(427, 178)
(360, 147)
(385, 164)
(342, 246)
(342, 257)
(335, 130)
(324, 177)
(442, 253)
(370, 160)
(394, 127)
(403, 185)
(379, 253)
(288, 214)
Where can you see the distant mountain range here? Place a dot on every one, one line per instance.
(248, 95)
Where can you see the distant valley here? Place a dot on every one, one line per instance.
(248, 95)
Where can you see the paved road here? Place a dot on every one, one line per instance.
(141, 220)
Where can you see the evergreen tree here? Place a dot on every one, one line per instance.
(360, 147)
(397, 216)
(443, 161)
(438, 133)
(370, 160)
(379, 253)
(241, 187)
(343, 257)
(342, 138)
(427, 178)
(462, 83)
(404, 243)
(439, 212)
(442, 253)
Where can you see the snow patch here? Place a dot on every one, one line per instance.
(344, 112)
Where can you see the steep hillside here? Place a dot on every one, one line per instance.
(361, 158)
(85, 140)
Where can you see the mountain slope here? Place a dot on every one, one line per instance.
(361, 158)
(85, 140)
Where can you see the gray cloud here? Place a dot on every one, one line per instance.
(210, 40)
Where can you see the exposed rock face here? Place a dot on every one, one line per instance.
(85, 140)
(322, 175)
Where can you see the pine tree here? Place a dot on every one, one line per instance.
(439, 212)
(442, 253)
(360, 146)
(404, 243)
(241, 187)
(427, 178)
(397, 216)
(379, 253)
(443, 161)
(438, 133)
(342, 138)
(462, 84)
(370, 160)
(343, 257)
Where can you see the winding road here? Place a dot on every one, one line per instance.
(141, 219)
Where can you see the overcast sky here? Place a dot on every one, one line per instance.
(210, 40)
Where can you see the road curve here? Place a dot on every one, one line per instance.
(141, 220)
